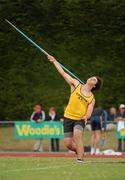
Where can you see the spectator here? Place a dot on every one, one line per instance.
(120, 118)
(37, 117)
(54, 142)
(96, 125)
(111, 118)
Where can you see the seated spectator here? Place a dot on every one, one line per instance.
(54, 142)
(38, 116)
(99, 117)
(120, 118)
(111, 118)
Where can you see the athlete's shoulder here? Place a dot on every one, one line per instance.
(75, 86)
(76, 83)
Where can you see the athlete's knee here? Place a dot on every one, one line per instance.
(77, 136)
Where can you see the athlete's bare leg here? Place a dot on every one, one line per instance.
(70, 144)
(78, 139)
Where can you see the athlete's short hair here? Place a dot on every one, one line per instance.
(98, 85)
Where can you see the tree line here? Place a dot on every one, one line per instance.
(86, 36)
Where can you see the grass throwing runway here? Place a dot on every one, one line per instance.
(44, 166)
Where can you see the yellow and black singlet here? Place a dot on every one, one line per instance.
(78, 104)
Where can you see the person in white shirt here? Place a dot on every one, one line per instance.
(38, 116)
(53, 116)
(120, 118)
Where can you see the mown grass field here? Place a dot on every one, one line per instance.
(9, 143)
(13, 168)
(36, 168)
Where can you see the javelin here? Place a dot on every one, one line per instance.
(42, 50)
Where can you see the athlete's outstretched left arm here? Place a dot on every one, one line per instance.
(89, 110)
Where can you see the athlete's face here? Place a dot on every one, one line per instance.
(92, 81)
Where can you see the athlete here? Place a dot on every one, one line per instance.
(78, 110)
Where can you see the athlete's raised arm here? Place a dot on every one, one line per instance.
(71, 81)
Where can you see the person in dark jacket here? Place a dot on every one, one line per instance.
(111, 119)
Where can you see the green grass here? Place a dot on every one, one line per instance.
(60, 169)
(9, 143)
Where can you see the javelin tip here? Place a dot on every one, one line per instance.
(6, 20)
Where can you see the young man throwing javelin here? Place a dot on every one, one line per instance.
(78, 110)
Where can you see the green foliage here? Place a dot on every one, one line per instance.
(87, 36)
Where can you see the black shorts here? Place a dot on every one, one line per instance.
(95, 125)
(69, 126)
